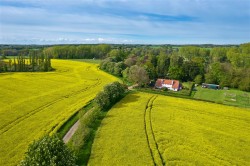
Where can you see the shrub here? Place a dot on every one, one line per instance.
(198, 79)
(164, 89)
(102, 100)
(110, 95)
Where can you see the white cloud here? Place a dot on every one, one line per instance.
(123, 21)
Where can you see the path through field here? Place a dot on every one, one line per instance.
(71, 132)
(33, 104)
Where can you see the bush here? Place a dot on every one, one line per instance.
(164, 89)
(102, 100)
(49, 151)
(198, 79)
(245, 84)
(111, 94)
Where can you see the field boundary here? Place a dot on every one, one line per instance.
(187, 97)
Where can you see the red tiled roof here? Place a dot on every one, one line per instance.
(159, 83)
(169, 82)
(175, 83)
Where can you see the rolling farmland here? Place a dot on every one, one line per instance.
(33, 104)
(148, 129)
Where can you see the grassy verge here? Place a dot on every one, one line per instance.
(67, 125)
(187, 88)
(165, 93)
(81, 142)
(86, 133)
(72, 120)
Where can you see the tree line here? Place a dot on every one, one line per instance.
(35, 61)
(78, 52)
(61, 51)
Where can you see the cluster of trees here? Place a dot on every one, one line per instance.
(79, 52)
(230, 67)
(35, 62)
(113, 67)
(49, 150)
(110, 95)
(16, 50)
(226, 66)
(136, 74)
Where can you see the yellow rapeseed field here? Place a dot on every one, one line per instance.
(121, 139)
(32, 104)
(148, 129)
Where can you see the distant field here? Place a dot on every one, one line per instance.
(95, 61)
(229, 97)
(148, 129)
(32, 104)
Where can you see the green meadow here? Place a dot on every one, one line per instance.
(232, 97)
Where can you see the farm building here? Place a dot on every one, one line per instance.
(173, 85)
(210, 86)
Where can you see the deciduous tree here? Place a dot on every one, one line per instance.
(49, 151)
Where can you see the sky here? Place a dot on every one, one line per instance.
(124, 21)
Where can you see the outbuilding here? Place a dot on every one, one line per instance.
(210, 86)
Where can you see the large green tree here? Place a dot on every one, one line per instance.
(139, 75)
(163, 64)
(49, 151)
(219, 54)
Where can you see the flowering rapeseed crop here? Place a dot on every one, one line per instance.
(149, 129)
(33, 104)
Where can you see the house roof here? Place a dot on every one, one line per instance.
(175, 83)
(159, 83)
(169, 82)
